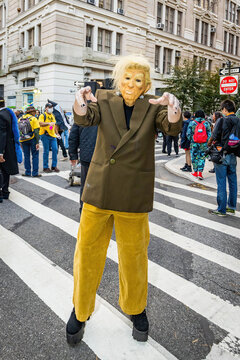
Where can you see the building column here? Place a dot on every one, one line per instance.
(95, 38)
(234, 45)
(96, 2)
(161, 59)
(227, 43)
(4, 15)
(200, 31)
(209, 35)
(113, 40)
(3, 56)
(36, 35)
(163, 14)
(25, 5)
(115, 4)
(175, 22)
(25, 39)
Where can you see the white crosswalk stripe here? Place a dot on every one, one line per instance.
(202, 302)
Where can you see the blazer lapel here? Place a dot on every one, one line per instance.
(138, 115)
(116, 105)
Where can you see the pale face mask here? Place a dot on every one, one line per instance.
(132, 85)
(49, 110)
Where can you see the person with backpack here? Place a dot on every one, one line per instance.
(198, 132)
(48, 136)
(185, 143)
(227, 134)
(28, 126)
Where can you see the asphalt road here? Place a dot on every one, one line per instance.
(194, 276)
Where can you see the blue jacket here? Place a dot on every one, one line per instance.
(185, 143)
(83, 138)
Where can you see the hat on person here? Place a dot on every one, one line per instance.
(30, 109)
(49, 105)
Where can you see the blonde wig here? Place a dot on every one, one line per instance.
(131, 62)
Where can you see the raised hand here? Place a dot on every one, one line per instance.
(173, 105)
(82, 96)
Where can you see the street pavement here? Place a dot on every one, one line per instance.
(194, 274)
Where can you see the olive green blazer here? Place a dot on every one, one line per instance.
(121, 173)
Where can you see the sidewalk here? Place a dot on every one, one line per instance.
(174, 166)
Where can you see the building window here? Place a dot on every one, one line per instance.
(202, 64)
(159, 12)
(104, 41)
(1, 57)
(31, 3)
(30, 38)
(120, 4)
(118, 44)
(212, 37)
(105, 4)
(225, 41)
(179, 23)
(231, 12)
(157, 57)
(167, 57)
(196, 30)
(231, 44)
(22, 40)
(237, 45)
(89, 36)
(39, 35)
(28, 82)
(210, 65)
(204, 34)
(226, 9)
(169, 20)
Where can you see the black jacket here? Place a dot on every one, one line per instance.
(7, 144)
(223, 128)
(85, 138)
(185, 143)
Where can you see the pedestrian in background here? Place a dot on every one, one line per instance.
(85, 139)
(49, 138)
(29, 138)
(228, 168)
(169, 141)
(164, 145)
(10, 150)
(185, 142)
(216, 115)
(198, 133)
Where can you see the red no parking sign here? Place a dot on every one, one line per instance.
(229, 85)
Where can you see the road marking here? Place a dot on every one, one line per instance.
(197, 202)
(108, 333)
(227, 349)
(181, 241)
(160, 161)
(198, 220)
(210, 306)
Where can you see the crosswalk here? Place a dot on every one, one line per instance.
(194, 271)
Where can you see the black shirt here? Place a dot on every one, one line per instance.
(128, 113)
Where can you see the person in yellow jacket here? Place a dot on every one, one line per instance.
(48, 135)
(29, 138)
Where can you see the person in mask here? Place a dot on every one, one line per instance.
(48, 134)
(119, 189)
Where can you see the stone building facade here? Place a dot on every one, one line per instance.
(47, 45)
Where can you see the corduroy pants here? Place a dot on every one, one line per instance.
(132, 237)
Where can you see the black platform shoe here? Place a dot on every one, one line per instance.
(74, 329)
(140, 326)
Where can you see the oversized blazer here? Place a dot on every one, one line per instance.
(121, 173)
(7, 143)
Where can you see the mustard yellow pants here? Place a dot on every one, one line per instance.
(132, 237)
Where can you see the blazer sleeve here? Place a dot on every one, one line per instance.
(163, 124)
(3, 135)
(92, 117)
